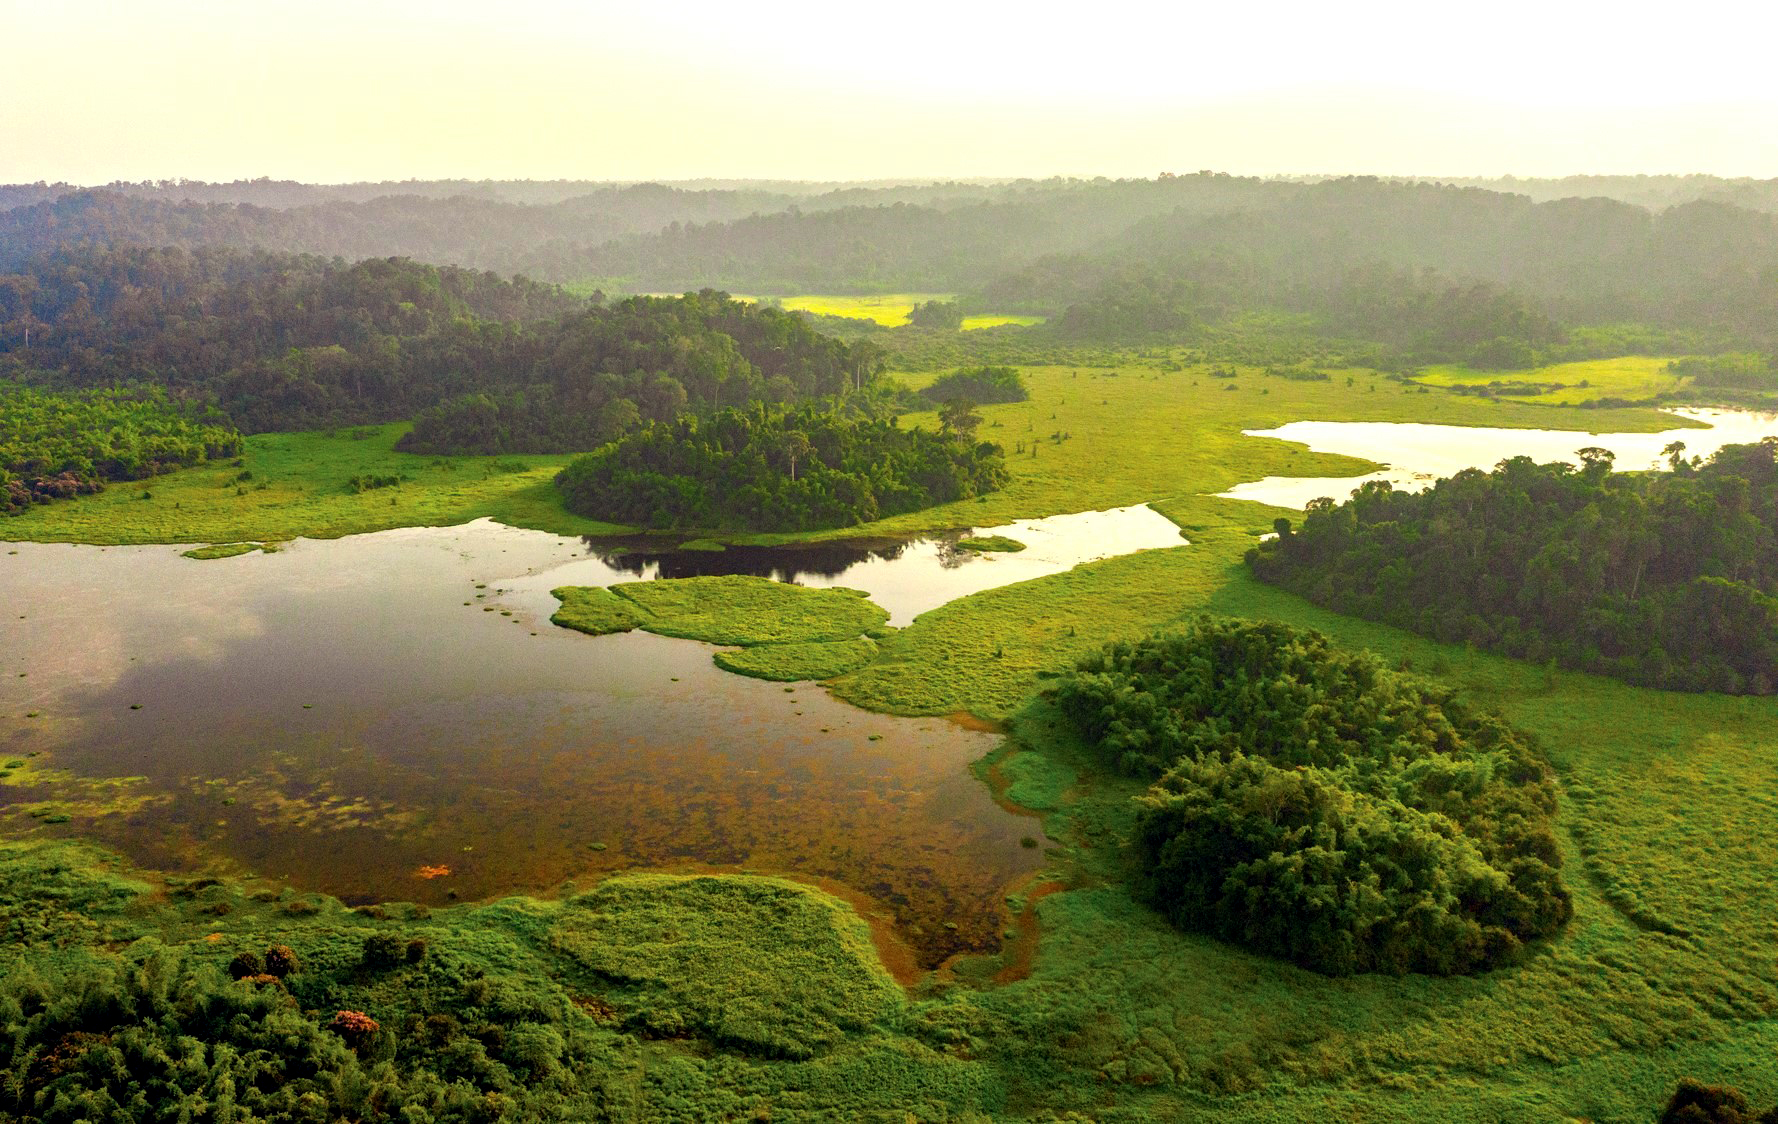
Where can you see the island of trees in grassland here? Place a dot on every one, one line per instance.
(1312, 804)
(1664, 579)
(781, 469)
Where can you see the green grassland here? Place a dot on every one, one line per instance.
(288, 485)
(229, 550)
(1669, 826)
(1668, 819)
(784, 632)
(649, 997)
(1091, 438)
(1631, 378)
(787, 663)
(991, 544)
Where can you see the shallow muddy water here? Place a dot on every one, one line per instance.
(334, 716)
(1417, 454)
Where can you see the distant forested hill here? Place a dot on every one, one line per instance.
(285, 342)
(1437, 271)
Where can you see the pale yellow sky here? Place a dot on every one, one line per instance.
(331, 91)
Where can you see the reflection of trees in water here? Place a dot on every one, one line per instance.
(780, 563)
(950, 555)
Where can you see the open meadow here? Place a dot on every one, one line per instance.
(1095, 1005)
(1630, 378)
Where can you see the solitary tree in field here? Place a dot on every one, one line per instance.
(958, 416)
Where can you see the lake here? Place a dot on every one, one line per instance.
(1417, 453)
(392, 717)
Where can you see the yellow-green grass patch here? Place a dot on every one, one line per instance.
(888, 309)
(736, 609)
(300, 486)
(785, 663)
(596, 610)
(228, 550)
(1633, 378)
(991, 544)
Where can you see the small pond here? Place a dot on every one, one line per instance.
(1418, 454)
(392, 717)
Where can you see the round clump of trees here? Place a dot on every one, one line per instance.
(1313, 804)
(781, 469)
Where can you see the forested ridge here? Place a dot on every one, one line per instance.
(1312, 804)
(778, 469)
(1106, 258)
(1666, 579)
(605, 372)
(281, 342)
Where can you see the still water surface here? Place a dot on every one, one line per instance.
(335, 716)
(1418, 453)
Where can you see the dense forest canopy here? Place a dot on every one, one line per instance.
(55, 445)
(492, 365)
(777, 469)
(1314, 805)
(1666, 579)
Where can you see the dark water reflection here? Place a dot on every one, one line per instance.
(906, 577)
(335, 716)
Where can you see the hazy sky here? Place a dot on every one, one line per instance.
(387, 89)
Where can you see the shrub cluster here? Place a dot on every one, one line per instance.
(985, 386)
(1313, 804)
(56, 445)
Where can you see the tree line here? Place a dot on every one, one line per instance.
(1666, 579)
(281, 342)
(1312, 804)
(56, 445)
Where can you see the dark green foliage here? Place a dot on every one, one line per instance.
(490, 365)
(985, 386)
(115, 1042)
(246, 964)
(1664, 579)
(1730, 372)
(383, 951)
(944, 315)
(603, 374)
(366, 482)
(54, 445)
(1697, 1103)
(1315, 805)
(281, 960)
(776, 470)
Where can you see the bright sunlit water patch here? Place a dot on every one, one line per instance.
(1417, 454)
